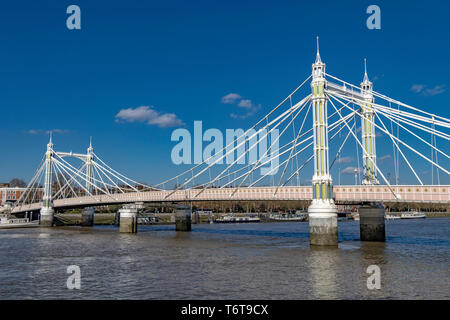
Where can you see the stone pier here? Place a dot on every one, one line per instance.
(46, 218)
(183, 218)
(87, 217)
(128, 219)
(371, 222)
(323, 230)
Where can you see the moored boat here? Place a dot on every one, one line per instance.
(391, 217)
(7, 223)
(297, 216)
(232, 219)
(413, 215)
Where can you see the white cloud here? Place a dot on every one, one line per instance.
(231, 98)
(351, 170)
(435, 91)
(422, 89)
(384, 158)
(345, 160)
(246, 103)
(417, 88)
(234, 98)
(150, 116)
(41, 131)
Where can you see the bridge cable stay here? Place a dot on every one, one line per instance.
(282, 151)
(264, 162)
(400, 150)
(122, 176)
(293, 135)
(365, 152)
(409, 122)
(292, 151)
(283, 116)
(394, 151)
(358, 173)
(241, 136)
(443, 121)
(270, 148)
(33, 185)
(332, 127)
(394, 118)
(397, 157)
(384, 130)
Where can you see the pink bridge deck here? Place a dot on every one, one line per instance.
(342, 194)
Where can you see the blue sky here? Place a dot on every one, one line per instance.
(179, 58)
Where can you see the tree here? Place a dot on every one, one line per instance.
(19, 183)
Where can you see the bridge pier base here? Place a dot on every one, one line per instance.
(128, 220)
(46, 219)
(87, 217)
(183, 218)
(371, 222)
(323, 230)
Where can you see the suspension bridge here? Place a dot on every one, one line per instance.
(316, 121)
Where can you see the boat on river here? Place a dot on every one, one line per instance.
(413, 215)
(8, 223)
(233, 219)
(297, 216)
(391, 217)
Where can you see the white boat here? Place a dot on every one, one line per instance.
(7, 223)
(355, 216)
(413, 215)
(297, 216)
(391, 217)
(232, 219)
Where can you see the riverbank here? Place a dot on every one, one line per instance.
(168, 218)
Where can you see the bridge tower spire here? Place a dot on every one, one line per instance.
(322, 211)
(47, 212)
(368, 131)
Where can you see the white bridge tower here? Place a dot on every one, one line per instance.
(322, 211)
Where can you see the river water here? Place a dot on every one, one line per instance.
(220, 261)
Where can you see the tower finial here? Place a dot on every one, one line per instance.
(317, 44)
(51, 133)
(90, 142)
(318, 60)
(366, 77)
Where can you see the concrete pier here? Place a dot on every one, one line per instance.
(183, 218)
(128, 219)
(46, 218)
(371, 222)
(323, 230)
(87, 217)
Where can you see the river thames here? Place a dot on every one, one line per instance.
(234, 261)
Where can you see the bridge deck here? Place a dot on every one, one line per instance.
(343, 194)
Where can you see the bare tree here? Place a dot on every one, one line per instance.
(16, 182)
